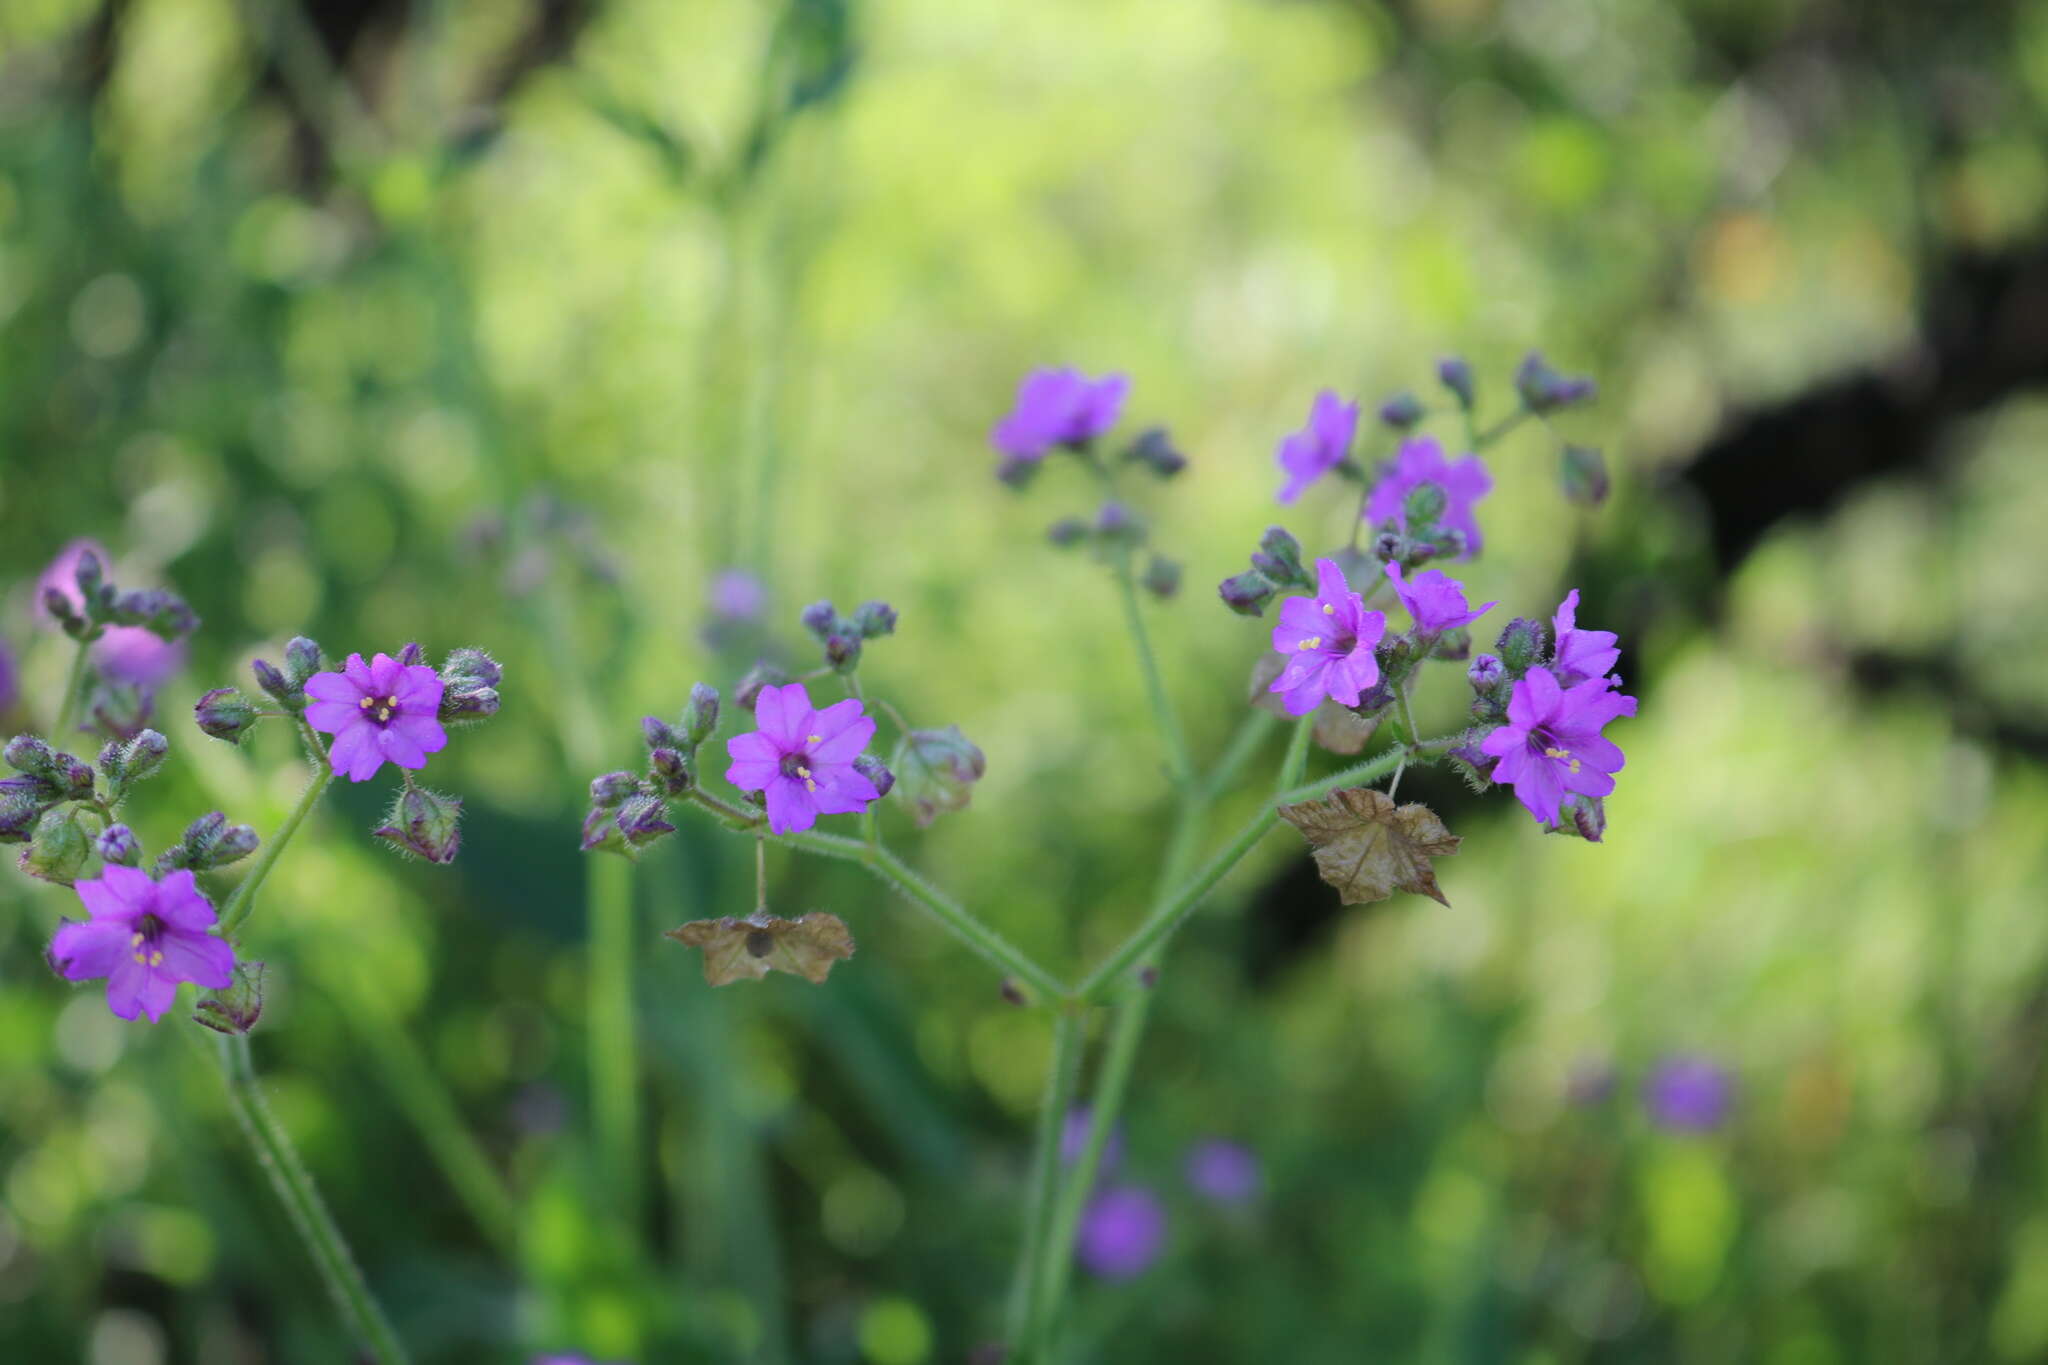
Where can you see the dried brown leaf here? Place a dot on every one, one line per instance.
(747, 949)
(1369, 848)
(1338, 729)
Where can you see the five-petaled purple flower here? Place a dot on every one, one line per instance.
(1580, 654)
(1122, 1231)
(1328, 641)
(1059, 407)
(803, 759)
(1435, 600)
(1306, 455)
(145, 937)
(1552, 744)
(1464, 481)
(1224, 1172)
(1689, 1094)
(378, 710)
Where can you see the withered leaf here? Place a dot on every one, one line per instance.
(747, 949)
(1338, 729)
(1369, 848)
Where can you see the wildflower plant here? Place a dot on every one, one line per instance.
(1356, 632)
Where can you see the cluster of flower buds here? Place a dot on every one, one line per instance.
(1276, 567)
(468, 680)
(42, 807)
(208, 842)
(133, 638)
(628, 811)
(96, 604)
(843, 636)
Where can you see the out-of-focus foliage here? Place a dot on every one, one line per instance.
(513, 325)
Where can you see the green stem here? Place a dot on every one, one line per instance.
(1296, 761)
(1243, 747)
(74, 683)
(964, 926)
(1028, 1293)
(243, 900)
(1178, 762)
(1500, 429)
(613, 1058)
(302, 1202)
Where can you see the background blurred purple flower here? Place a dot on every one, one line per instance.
(1226, 1172)
(1689, 1094)
(10, 678)
(737, 595)
(123, 654)
(1319, 447)
(1059, 407)
(1122, 1231)
(1464, 481)
(1074, 1136)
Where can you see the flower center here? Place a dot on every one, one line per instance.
(143, 945)
(798, 766)
(380, 709)
(1556, 754)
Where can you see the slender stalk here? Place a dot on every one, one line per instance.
(1296, 761)
(1027, 1295)
(74, 684)
(964, 926)
(243, 899)
(302, 1202)
(1500, 428)
(1177, 759)
(613, 1057)
(1358, 774)
(1243, 747)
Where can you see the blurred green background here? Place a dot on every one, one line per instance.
(512, 324)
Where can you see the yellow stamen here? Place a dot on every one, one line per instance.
(1329, 610)
(1312, 642)
(814, 739)
(366, 703)
(1564, 753)
(135, 942)
(809, 785)
(156, 959)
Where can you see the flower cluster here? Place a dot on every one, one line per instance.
(135, 638)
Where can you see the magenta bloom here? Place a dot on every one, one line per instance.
(1319, 447)
(737, 595)
(10, 677)
(1580, 654)
(1435, 600)
(1122, 1231)
(122, 654)
(1552, 744)
(1689, 1094)
(1328, 640)
(145, 937)
(1464, 481)
(803, 759)
(376, 711)
(1074, 1139)
(1059, 407)
(1223, 1172)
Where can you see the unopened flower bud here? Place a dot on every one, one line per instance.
(425, 823)
(29, 754)
(1155, 450)
(469, 685)
(608, 791)
(1279, 559)
(1067, 531)
(63, 613)
(1583, 817)
(1523, 643)
(301, 660)
(19, 811)
(1452, 646)
(702, 717)
(659, 734)
(1472, 763)
(1246, 593)
(1424, 504)
(640, 822)
(1162, 577)
(875, 771)
(89, 574)
(670, 771)
(118, 845)
(1402, 411)
(1486, 673)
(208, 842)
(874, 618)
(73, 776)
(58, 849)
(842, 652)
(936, 771)
(225, 714)
(762, 674)
(1543, 389)
(276, 682)
(412, 656)
(1377, 698)
(234, 1011)
(1017, 472)
(1456, 375)
(163, 614)
(1116, 521)
(820, 619)
(1582, 473)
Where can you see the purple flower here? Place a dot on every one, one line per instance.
(1435, 600)
(737, 595)
(1122, 1231)
(1580, 654)
(1552, 744)
(10, 678)
(1327, 640)
(122, 654)
(802, 758)
(1689, 1094)
(1226, 1172)
(145, 937)
(1319, 447)
(1421, 461)
(1059, 407)
(1074, 1137)
(379, 710)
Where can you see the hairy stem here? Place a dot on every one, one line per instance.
(1028, 1293)
(1177, 760)
(74, 684)
(302, 1202)
(614, 1054)
(243, 899)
